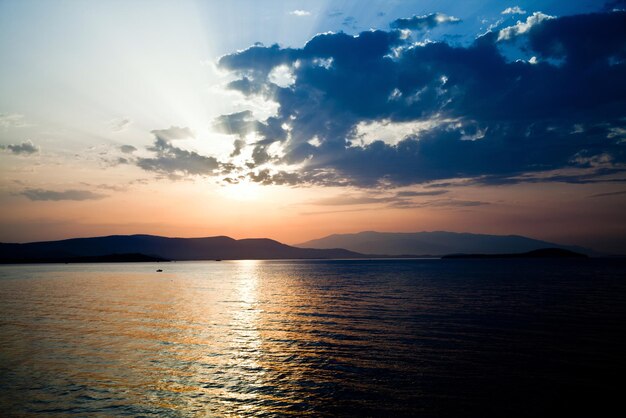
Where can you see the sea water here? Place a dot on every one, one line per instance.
(319, 338)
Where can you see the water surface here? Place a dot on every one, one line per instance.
(319, 338)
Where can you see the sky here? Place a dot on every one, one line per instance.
(298, 119)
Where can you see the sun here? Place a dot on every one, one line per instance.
(244, 191)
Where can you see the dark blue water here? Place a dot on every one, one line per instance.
(320, 338)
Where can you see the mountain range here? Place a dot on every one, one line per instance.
(209, 248)
(361, 245)
(435, 243)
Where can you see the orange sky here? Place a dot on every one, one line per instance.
(565, 213)
(109, 122)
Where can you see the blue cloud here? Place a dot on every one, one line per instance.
(175, 162)
(25, 148)
(425, 22)
(482, 115)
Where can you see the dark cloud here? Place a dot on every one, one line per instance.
(615, 5)
(439, 203)
(25, 148)
(398, 199)
(348, 200)
(239, 144)
(174, 162)
(349, 21)
(602, 175)
(258, 60)
(486, 116)
(595, 42)
(409, 193)
(424, 22)
(41, 194)
(621, 192)
(112, 187)
(243, 123)
(173, 133)
(128, 149)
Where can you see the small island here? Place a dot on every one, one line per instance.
(108, 258)
(541, 253)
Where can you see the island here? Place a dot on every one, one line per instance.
(541, 253)
(107, 258)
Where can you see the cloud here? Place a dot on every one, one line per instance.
(119, 125)
(376, 109)
(621, 192)
(598, 175)
(348, 200)
(401, 198)
(349, 21)
(111, 187)
(175, 162)
(615, 6)
(441, 203)
(594, 40)
(78, 195)
(300, 13)
(25, 148)
(173, 133)
(11, 120)
(521, 28)
(515, 10)
(424, 193)
(424, 22)
(127, 149)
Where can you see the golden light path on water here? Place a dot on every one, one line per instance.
(318, 338)
(191, 338)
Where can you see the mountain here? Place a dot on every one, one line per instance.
(433, 243)
(210, 248)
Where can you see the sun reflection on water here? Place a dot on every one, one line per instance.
(264, 338)
(245, 338)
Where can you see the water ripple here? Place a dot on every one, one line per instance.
(318, 338)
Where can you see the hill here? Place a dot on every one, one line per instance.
(209, 248)
(433, 243)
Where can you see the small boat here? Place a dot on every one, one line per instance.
(217, 259)
(159, 271)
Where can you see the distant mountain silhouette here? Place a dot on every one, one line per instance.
(433, 243)
(210, 248)
(542, 253)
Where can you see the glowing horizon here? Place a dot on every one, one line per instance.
(184, 119)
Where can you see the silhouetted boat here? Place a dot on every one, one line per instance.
(159, 271)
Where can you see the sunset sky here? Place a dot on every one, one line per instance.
(297, 119)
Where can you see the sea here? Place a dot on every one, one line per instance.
(354, 338)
